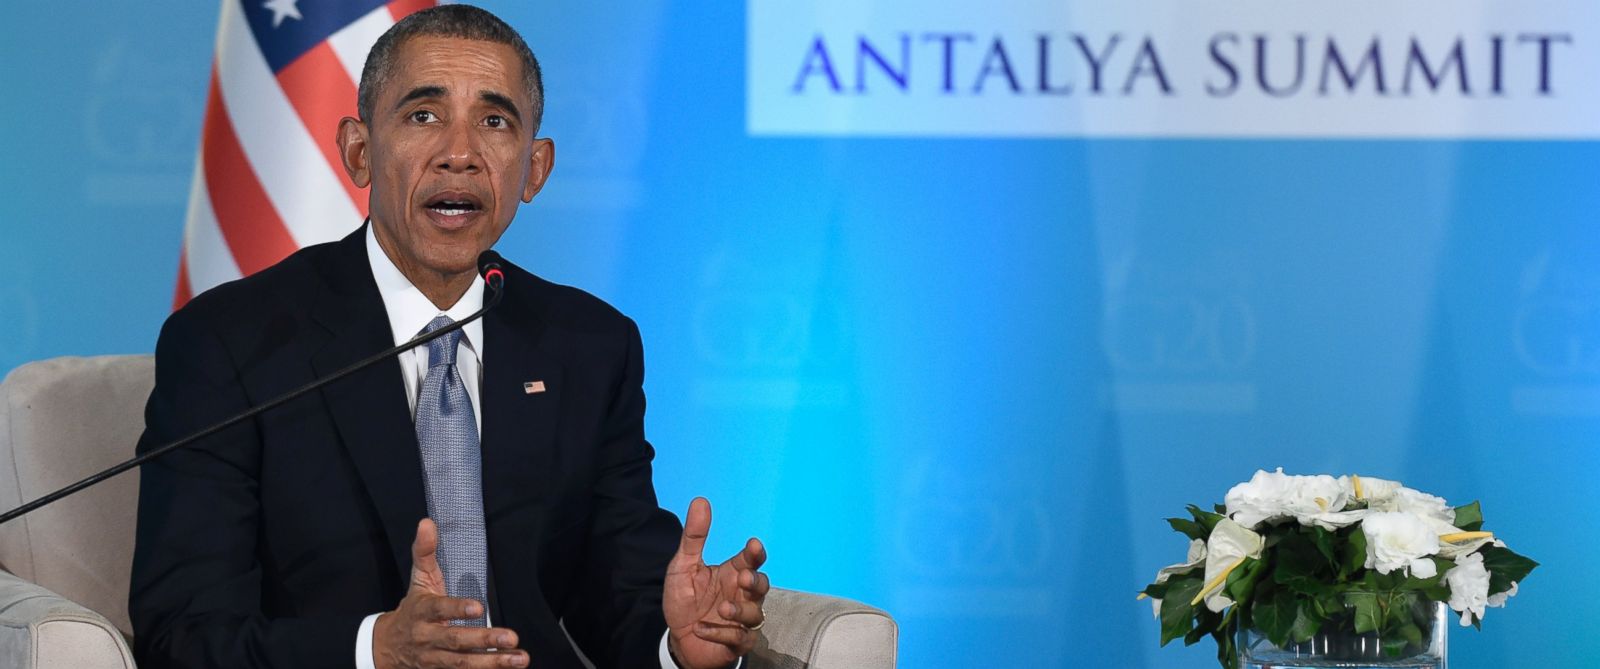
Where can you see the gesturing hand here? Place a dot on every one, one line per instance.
(710, 610)
(416, 634)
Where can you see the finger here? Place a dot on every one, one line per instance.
(473, 638)
(752, 556)
(424, 564)
(448, 658)
(754, 585)
(727, 635)
(696, 525)
(440, 609)
(747, 614)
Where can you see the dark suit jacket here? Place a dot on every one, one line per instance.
(265, 545)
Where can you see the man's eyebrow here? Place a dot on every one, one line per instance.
(419, 93)
(502, 101)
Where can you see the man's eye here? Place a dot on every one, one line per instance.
(495, 121)
(422, 116)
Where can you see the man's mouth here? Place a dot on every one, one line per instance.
(453, 208)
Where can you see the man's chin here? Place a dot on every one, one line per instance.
(456, 264)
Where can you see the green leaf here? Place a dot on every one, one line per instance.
(1275, 615)
(1433, 588)
(1411, 633)
(1505, 567)
(1189, 528)
(1393, 646)
(1206, 622)
(1155, 590)
(1177, 616)
(1469, 517)
(1323, 540)
(1368, 617)
(1300, 565)
(1227, 651)
(1396, 613)
(1306, 622)
(1205, 518)
(1242, 582)
(1373, 581)
(1329, 603)
(1354, 556)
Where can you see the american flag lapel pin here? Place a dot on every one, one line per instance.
(532, 387)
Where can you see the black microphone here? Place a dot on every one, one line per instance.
(489, 267)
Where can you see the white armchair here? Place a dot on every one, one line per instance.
(64, 569)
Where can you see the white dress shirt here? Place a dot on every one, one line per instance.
(409, 312)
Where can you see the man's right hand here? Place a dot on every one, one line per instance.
(417, 634)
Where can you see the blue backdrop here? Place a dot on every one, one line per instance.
(960, 379)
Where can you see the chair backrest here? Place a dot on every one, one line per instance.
(61, 420)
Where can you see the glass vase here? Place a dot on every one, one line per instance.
(1337, 644)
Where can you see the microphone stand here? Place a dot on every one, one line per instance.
(494, 277)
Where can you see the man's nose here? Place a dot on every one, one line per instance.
(458, 151)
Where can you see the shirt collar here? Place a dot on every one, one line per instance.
(409, 310)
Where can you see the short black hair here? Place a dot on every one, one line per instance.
(461, 21)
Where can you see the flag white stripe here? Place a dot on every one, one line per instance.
(296, 177)
(207, 258)
(353, 42)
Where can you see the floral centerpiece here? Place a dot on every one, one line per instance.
(1294, 557)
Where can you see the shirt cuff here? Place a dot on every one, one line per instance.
(666, 656)
(364, 643)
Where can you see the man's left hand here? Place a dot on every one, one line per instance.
(712, 611)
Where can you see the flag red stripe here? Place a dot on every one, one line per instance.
(321, 93)
(182, 295)
(249, 223)
(403, 8)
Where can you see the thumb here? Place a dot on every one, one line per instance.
(696, 525)
(425, 572)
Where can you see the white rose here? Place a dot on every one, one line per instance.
(1499, 600)
(1400, 541)
(1197, 555)
(1310, 500)
(1264, 497)
(1420, 504)
(1320, 500)
(1469, 587)
(1227, 547)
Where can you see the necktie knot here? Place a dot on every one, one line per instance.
(442, 351)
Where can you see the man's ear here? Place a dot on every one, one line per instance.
(544, 160)
(353, 151)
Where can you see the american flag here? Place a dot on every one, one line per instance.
(268, 179)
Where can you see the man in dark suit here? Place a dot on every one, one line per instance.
(306, 538)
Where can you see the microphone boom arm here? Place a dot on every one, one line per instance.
(494, 277)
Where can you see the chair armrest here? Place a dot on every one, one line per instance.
(41, 630)
(806, 631)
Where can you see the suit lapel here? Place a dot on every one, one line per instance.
(519, 427)
(369, 407)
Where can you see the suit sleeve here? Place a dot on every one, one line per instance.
(616, 615)
(195, 599)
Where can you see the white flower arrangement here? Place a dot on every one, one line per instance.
(1292, 556)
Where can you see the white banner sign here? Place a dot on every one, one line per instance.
(1174, 68)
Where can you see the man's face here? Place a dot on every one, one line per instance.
(449, 153)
